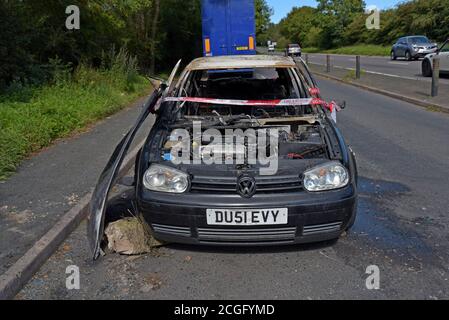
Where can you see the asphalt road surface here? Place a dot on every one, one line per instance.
(377, 65)
(398, 69)
(402, 227)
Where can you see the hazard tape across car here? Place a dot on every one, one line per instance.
(257, 103)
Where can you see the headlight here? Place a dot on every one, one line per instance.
(165, 179)
(328, 176)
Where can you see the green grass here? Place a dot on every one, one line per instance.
(351, 74)
(311, 50)
(359, 49)
(32, 118)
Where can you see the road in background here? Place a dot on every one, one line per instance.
(402, 227)
(400, 68)
(400, 79)
(410, 70)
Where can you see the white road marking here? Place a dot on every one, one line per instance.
(394, 75)
(377, 73)
(400, 63)
(347, 55)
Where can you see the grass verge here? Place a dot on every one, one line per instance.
(360, 49)
(32, 118)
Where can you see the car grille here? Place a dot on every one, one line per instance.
(258, 236)
(172, 230)
(210, 235)
(321, 228)
(270, 184)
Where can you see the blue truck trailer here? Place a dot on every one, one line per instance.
(229, 27)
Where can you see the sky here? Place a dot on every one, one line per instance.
(283, 7)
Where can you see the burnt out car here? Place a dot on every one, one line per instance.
(243, 152)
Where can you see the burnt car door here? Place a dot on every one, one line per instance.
(108, 178)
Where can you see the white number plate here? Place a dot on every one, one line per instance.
(247, 217)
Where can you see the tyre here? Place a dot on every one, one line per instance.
(426, 68)
(408, 56)
(393, 55)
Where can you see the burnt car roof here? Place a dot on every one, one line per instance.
(239, 62)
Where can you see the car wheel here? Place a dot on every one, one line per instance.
(408, 56)
(426, 68)
(393, 55)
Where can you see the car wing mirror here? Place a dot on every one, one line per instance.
(337, 106)
(341, 105)
(157, 82)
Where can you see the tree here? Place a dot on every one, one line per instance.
(263, 19)
(179, 32)
(298, 23)
(338, 15)
(157, 7)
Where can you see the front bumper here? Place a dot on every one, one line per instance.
(423, 52)
(312, 217)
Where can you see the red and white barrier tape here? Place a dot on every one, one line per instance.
(255, 103)
(314, 91)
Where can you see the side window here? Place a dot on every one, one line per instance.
(445, 48)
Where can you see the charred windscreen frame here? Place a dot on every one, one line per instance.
(198, 83)
(256, 83)
(304, 73)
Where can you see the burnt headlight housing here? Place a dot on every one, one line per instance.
(328, 176)
(165, 179)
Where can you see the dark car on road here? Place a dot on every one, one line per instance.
(193, 186)
(413, 48)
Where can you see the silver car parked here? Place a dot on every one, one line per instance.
(413, 48)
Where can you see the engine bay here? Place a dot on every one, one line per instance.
(239, 127)
(284, 138)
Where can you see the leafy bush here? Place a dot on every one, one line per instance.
(56, 110)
